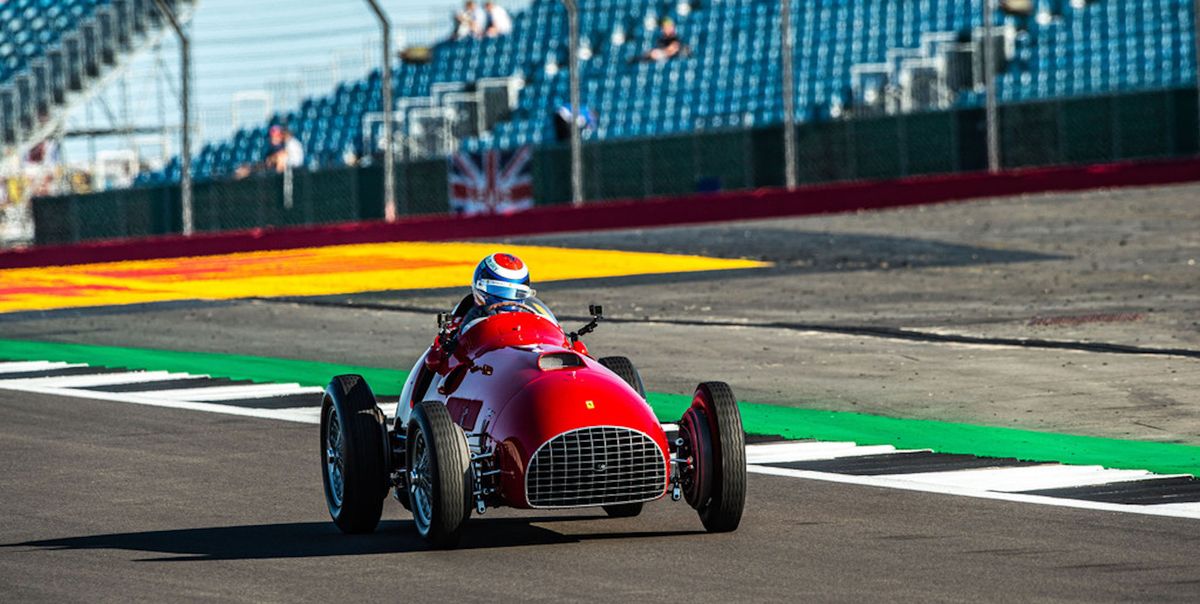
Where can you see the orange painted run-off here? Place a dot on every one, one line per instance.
(330, 270)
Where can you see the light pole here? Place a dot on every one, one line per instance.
(576, 135)
(1196, 57)
(390, 211)
(789, 98)
(989, 82)
(185, 101)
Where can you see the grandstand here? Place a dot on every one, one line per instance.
(883, 89)
(852, 57)
(55, 53)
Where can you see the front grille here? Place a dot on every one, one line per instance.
(596, 466)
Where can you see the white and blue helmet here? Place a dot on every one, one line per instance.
(499, 278)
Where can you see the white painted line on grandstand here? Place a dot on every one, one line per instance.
(1029, 478)
(22, 366)
(227, 393)
(100, 379)
(811, 451)
(897, 482)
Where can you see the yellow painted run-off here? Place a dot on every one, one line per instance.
(342, 269)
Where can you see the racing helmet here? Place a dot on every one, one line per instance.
(501, 277)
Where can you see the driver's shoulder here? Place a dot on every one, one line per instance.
(464, 306)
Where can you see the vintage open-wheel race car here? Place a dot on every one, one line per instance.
(519, 414)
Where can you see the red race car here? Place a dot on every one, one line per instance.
(513, 411)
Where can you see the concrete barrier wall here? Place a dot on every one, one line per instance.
(688, 209)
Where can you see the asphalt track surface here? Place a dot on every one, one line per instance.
(106, 501)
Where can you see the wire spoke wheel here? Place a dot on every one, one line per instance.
(420, 484)
(334, 458)
(440, 482)
(354, 461)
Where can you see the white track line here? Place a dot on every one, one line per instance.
(896, 482)
(1029, 478)
(811, 451)
(300, 415)
(1193, 507)
(227, 393)
(141, 398)
(22, 366)
(99, 379)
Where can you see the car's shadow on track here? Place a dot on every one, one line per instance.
(318, 539)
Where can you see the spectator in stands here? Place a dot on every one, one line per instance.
(562, 121)
(284, 151)
(499, 23)
(470, 21)
(668, 45)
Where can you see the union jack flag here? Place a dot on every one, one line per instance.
(491, 182)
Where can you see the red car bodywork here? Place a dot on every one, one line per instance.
(516, 381)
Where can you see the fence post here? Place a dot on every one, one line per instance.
(989, 82)
(1196, 57)
(185, 101)
(389, 159)
(790, 175)
(576, 135)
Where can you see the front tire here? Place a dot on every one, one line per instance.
(718, 443)
(625, 369)
(440, 482)
(354, 454)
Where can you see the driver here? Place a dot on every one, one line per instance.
(499, 278)
(501, 284)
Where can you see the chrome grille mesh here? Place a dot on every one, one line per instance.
(596, 466)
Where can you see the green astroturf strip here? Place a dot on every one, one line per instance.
(238, 367)
(790, 422)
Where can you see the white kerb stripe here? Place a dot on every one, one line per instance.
(1029, 478)
(812, 451)
(889, 482)
(306, 416)
(100, 379)
(225, 393)
(23, 366)
(1186, 508)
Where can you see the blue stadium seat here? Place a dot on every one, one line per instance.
(732, 77)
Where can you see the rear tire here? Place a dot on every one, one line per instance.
(721, 508)
(354, 454)
(624, 510)
(440, 482)
(624, 368)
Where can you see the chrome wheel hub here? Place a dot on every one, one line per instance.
(334, 463)
(420, 483)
